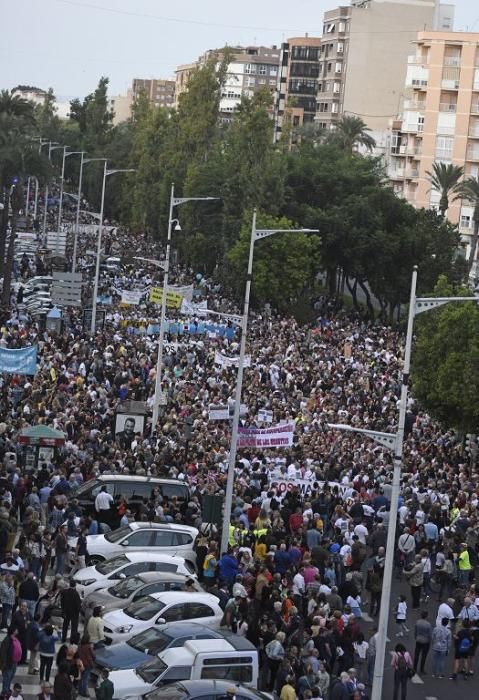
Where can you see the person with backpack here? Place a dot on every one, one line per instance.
(463, 641)
(210, 565)
(403, 670)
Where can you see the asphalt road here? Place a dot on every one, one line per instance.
(423, 686)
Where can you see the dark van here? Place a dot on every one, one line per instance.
(134, 488)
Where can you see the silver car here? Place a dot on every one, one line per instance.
(121, 593)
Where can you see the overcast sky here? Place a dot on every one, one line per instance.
(69, 44)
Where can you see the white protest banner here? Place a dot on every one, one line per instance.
(276, 436)
(265, 416)
(306, 486)
(189, 308)
(226, 361)
(130, 296)
(186, 292)
(224, 411)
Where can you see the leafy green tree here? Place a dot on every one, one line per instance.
(47, 120)
(469, 190)
(445, 177)
(284, 265)
(445, 362)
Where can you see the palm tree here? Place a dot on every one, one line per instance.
(469, 190)
(444, 178)
(16, 106)
(351, 132)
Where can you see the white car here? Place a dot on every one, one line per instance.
(160, 608)
(166, 538)
(128, 564)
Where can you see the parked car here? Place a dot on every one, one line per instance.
(205, 690)
(91, 578)
(234, 660)
(146, 645)
(160, 608)
(169, 538)
(121, 593)
(133, 488)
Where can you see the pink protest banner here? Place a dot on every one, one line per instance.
(276, 436)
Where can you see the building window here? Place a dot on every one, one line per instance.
(331, 28)
(340, 47)
(465, 221)
(273, 70)
(334, 108)
(262, 69)
(330, 67)
(342, 27)
(262, 81)
(251, 82)
(444, 147)
(250, 68)
(339, 67)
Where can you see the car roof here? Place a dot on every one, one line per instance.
(151, 556)
(154, 576)
(206, 687)
(169, 597)
(132, 477)
(163, 526)
(181, 629)
(178, 655)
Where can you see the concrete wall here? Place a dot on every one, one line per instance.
(380, 41)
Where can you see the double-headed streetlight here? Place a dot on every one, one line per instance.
(106, 173)
(256, 235)
(52, 146)
(60, 206)
(395, 442)
(174, 202)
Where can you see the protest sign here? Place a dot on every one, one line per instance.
(130, 296)
(265, 416)
(173, 299)
(190, 308)
(276, 436)
(224, 411)
(186, 291)
(226, 361)
(306, 486)
(21, 361)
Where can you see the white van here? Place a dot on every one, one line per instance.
(234, 659)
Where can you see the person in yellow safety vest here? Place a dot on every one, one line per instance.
(453, 514)
(464, 564)
(260, 532)
(233, 535)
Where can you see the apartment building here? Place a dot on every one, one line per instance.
(363, 57)
(160, 92)
(251, 68)
(439, 121)
(297, 85)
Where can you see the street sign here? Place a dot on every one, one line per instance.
(66, 288)
(99, 319)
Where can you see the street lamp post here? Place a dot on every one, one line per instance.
(77, 218)
(174, 202)
(106, 173)
(60, 206)
(256, 235)
(395, 442)
(51, 147)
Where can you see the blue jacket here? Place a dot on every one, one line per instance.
(47, 643)
(228, 566)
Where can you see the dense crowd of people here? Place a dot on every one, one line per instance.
(302, 577)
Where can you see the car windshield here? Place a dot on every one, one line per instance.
(144, 608)
(124, 589)
(86, 487)
(151, 641)
(106, 567)
(117, 535)
(168, 692)
(150, 670)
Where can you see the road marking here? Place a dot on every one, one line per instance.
(417, 679)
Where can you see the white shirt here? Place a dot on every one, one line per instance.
(103, 501)
(298, 584)
(361, 531)
(444, 610)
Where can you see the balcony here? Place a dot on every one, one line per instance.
(412, 173)
(417, 60)
(415, 105)
(447, 106)
(452, 60)
(474, 132)
(475, 108)
(443, 154)
(472, 154)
